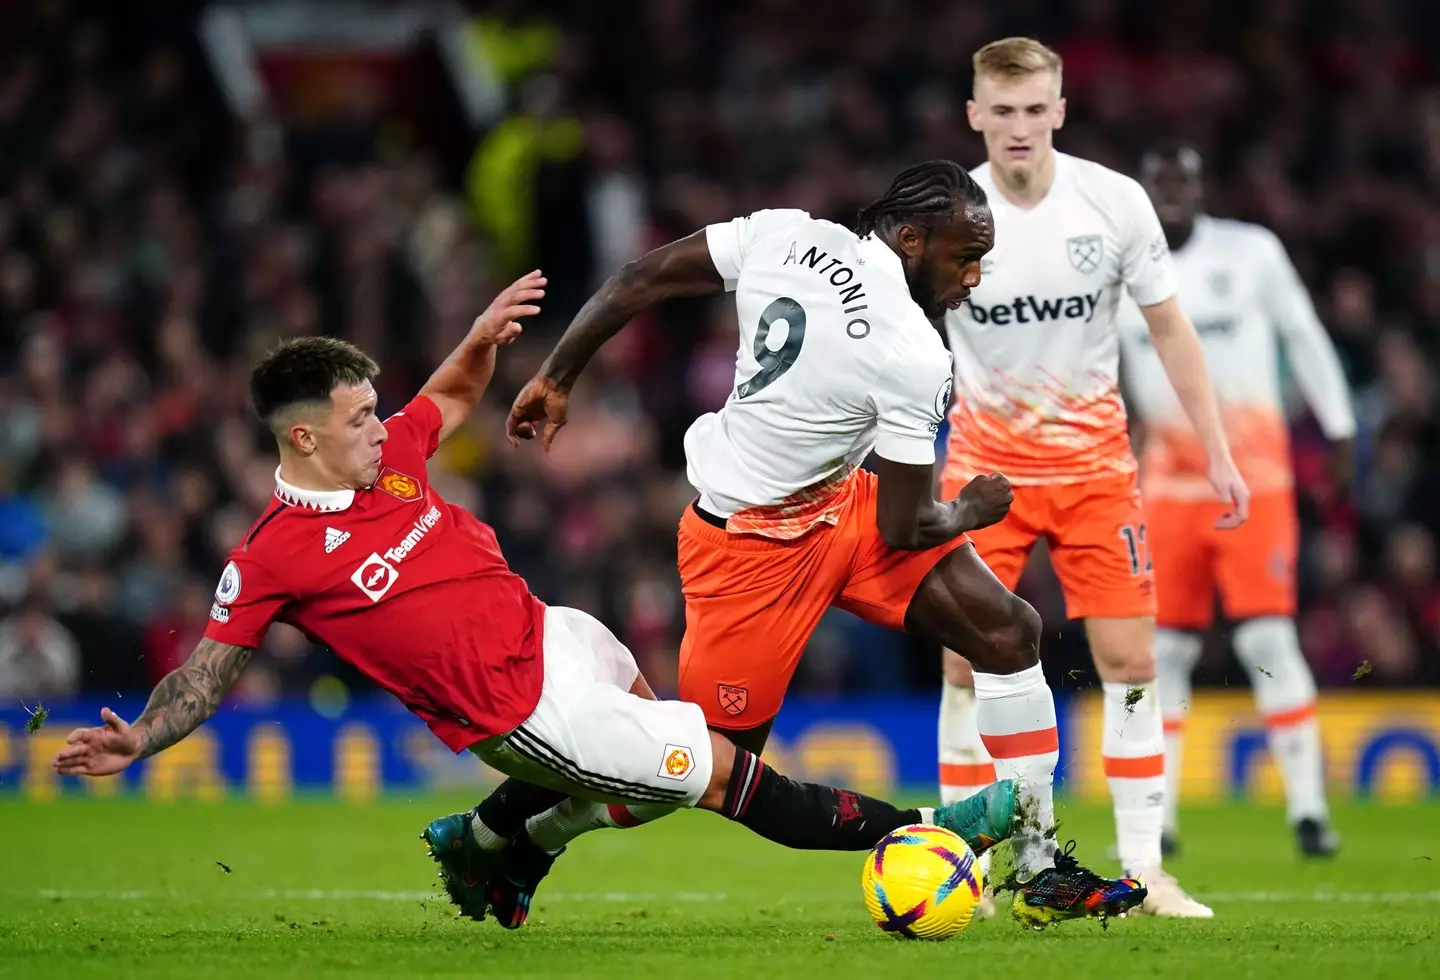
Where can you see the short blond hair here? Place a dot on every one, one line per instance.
(1015, 57)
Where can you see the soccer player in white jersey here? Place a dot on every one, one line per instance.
(1246, 300)
(838, 356)
(1036, 367)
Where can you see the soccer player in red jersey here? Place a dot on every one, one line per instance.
(359, 552)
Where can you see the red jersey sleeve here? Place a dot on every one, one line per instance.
(247, 600)
(415, 428)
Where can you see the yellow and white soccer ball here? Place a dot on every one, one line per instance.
(922, 882)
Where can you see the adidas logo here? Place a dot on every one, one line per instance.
(334, 539)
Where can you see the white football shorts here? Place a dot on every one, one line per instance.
(590, 737)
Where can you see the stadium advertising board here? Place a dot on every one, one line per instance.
(1381, 745)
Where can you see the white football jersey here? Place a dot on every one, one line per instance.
(835, 359)
(1035, 346)
(1238, 287)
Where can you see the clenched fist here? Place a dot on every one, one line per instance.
(986, 500)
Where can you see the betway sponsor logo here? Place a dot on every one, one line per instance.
(1031, 309)
(418, 531)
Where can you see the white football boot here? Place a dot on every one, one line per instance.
(1168, 900)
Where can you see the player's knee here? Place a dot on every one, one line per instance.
(1134, 664)
(1017, 642)
(957, 670)
(1177, 651)
(1012, 642)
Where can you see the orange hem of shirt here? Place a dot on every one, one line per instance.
(967, 773)
(1284, 719)
(1022, 743)
(1143, 767)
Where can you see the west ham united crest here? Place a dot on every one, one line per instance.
(1085, 252)
(733, 699)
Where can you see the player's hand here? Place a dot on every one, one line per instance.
(99, 751)
(1226, 479)
(540, 401)
(499, 323)
(986, 500)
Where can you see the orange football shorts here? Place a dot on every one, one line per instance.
(1252, 566)
(1097, 538)
(751, 602)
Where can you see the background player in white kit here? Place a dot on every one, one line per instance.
(838, 355)
(1244, 296)
(1037, 385)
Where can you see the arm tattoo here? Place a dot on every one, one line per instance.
(189, 694)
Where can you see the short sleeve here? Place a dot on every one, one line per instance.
(415, 428)
(1146, 266)
(911, 397)
(731, 241)
(247, 600)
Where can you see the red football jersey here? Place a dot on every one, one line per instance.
(412, 591)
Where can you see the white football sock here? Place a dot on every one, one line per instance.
(561, 824)
(1133, 747)
(1016, 714)
(485, 837)
(965, 766)
(1176, 653)
(1269, 649)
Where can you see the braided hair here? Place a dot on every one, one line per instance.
(922, 193)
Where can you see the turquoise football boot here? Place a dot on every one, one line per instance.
(464, 865)
(984, 819)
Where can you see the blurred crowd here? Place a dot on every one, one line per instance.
(152, 244)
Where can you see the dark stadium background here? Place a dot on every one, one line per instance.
(165, 215)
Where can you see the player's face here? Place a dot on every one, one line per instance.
(348, 441)
(1018, 118)
(946, 265)
(1174, 191)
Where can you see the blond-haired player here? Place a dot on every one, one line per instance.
(1247, 302)
(1037, 383)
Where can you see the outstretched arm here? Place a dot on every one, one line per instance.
(682, 268)
(458, 383)
(180, 703)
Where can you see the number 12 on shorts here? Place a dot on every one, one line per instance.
(1134, 535)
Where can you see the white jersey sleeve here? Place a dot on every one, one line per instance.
(1308, 348)
(1146, 267)
(911, 395)
(731, 241)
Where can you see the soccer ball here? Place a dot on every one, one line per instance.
(922, 882)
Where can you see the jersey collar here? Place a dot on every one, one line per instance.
(325, 501)
(873, 250)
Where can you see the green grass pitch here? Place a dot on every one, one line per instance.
(127, 888)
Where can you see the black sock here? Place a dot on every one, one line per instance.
(513, 802)
(807, 816)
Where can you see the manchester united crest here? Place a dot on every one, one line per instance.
(677, 762)
(398, 485)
